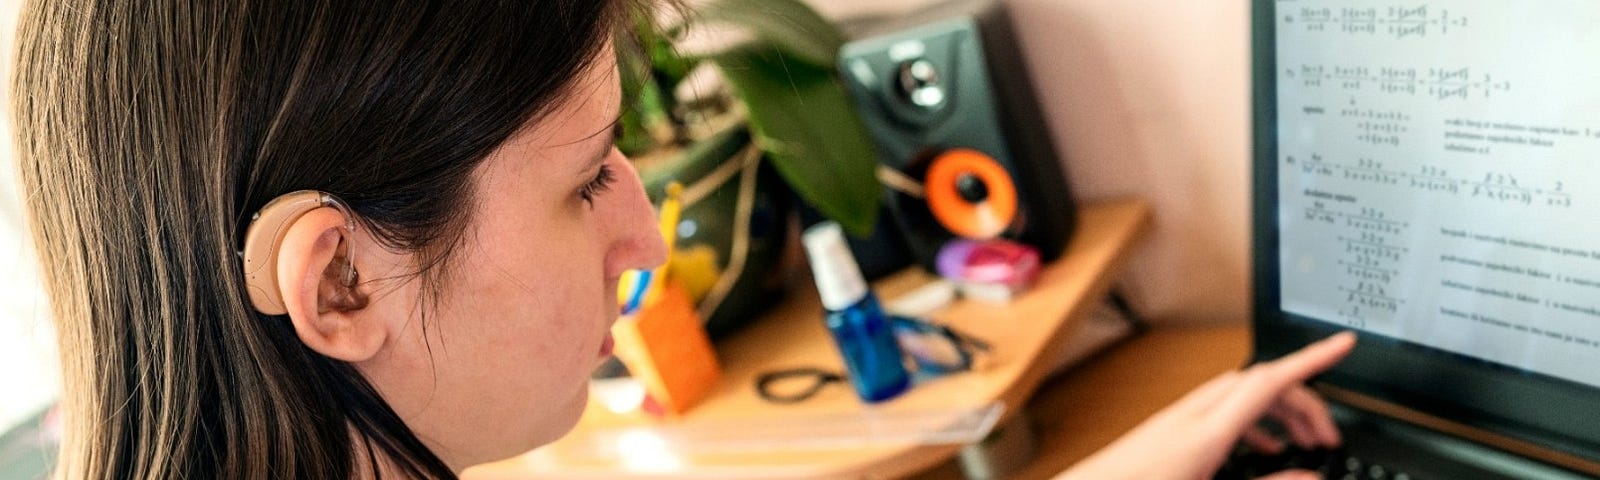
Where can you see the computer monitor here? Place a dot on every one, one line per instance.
(1428, 174)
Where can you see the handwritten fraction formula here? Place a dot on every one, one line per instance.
(1496, 187)
(1398, 22)
(1450, 83)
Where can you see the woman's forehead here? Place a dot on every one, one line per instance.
(587, 111)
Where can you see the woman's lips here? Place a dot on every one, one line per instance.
(606, 346)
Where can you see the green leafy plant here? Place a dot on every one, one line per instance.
(785, 93)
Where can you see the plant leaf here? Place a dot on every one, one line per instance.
(786, 24)
(801, 117)
(645, 107)
(696, 160)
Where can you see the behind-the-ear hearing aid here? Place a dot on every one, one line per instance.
(265, 235)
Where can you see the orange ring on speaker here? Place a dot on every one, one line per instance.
(981, 218)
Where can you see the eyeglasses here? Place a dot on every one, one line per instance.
(937, 349)
(933, 349)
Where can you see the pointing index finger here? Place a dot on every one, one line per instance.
(1264, 383)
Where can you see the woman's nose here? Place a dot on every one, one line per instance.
(638, 238)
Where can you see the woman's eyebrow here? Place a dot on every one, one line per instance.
(602, 149)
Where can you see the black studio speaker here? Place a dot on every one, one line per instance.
(947, 99)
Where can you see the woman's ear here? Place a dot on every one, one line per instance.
(321, 291)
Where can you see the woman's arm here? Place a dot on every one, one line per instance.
(1191, 438)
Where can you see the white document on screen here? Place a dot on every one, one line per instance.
(1439, 174)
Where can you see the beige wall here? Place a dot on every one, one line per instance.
(1149, 98)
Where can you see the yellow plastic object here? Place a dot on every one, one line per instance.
(671, 213)
(696, 268)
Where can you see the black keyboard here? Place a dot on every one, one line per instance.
(1376, 448)
(1334, 464)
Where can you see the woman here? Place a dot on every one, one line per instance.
(471, 145)
(440, 300)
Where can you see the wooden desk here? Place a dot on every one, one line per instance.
(1083, 410)
(1031, 328)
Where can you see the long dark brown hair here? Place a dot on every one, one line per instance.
(149, 131)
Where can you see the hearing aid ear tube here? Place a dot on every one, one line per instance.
(859, 328)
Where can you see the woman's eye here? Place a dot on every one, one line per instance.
(601, 183)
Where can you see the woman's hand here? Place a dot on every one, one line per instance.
(1191, 438)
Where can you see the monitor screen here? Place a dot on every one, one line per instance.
(1428, 173)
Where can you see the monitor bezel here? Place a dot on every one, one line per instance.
(1502, 400)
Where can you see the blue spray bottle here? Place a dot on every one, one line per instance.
(859, 327)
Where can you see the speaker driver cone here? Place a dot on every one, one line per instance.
(971, 194)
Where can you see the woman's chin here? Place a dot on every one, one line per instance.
(560, 426)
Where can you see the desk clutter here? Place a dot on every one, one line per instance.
(660, 341)
(929, 349)
(880, 350)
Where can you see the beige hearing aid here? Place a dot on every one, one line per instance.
(265, 235)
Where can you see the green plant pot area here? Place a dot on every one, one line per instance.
(707, 232)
